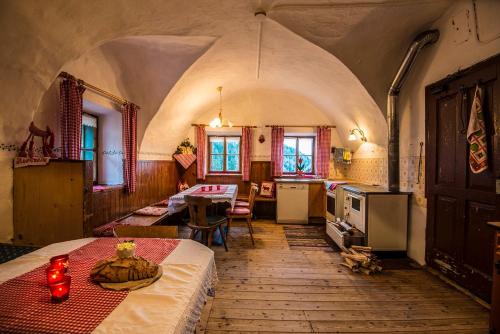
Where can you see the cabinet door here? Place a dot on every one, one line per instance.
(48, 203)
(317, 200)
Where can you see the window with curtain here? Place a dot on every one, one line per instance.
(295, 148)
(89, 147)
(224, 154)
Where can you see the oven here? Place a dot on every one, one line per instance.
(354, 210)
(330, 205)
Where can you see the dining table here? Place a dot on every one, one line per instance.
(172, 304)
(218, 193)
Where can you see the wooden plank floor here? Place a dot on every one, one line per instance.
(271, 288)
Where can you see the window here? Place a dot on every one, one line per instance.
(295, 148)
(224, 154)
(89, 141)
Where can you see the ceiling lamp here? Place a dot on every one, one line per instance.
(353, 136)
(218, 122)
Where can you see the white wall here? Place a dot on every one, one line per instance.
(267, 107)
(456, 49)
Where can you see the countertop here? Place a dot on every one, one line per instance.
(365, 189)
(299, 180)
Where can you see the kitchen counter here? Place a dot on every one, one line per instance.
(299, 180)
(365, 189)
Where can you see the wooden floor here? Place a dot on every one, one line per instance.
(271, 288)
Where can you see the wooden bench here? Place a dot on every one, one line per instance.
(131, 219)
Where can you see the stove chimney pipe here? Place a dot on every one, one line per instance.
(423, 39)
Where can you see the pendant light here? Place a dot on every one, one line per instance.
(218, 122)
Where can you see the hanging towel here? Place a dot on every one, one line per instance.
(347, 156)
(476, 135)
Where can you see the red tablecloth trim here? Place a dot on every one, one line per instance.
(25, 305)
(214, 191)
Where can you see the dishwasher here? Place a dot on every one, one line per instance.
(293, 203)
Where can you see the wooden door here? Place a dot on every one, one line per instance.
(459, 202)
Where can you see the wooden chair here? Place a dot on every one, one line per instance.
(131, 231)
(243, 213)
(246, 203)
(199, 221)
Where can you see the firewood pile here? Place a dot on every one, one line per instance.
(361, 259)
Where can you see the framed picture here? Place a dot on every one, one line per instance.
(267, 189)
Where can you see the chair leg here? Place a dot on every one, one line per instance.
(221, 230)
(209, 239)
(250, 229)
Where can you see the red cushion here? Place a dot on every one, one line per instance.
(242, 204)
(239, 211)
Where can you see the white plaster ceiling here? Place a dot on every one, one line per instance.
(304, 52)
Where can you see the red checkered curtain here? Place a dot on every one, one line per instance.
(323, 139)
(246, 151)
(129, 141)
(201, 144)
(70, 109)
(277, 140)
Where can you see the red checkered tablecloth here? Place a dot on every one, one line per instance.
(25, 305)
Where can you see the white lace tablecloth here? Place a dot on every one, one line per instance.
(173, 304)
(177, 203)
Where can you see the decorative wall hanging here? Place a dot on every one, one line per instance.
(185, 153)
(27, 155)
(262, 139)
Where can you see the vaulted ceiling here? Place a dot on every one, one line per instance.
(335, 58)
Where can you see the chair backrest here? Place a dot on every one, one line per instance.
(131, 231)
(197, 209)
(251, 198)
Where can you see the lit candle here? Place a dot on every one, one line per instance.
(54, 275)
(60, 291)
(60, 262)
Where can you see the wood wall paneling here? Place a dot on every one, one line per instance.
(156, 181)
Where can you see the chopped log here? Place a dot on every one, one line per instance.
(361, 259)
(361, 248)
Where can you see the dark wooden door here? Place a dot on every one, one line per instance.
(459, 243)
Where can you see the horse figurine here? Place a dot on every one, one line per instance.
(47, 142)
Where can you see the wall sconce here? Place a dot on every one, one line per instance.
(353, 136)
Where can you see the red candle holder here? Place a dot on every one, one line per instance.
(203, 188)
(218, 187)
(209, 188)
(60, 262)
(59, 292)
(54, 275)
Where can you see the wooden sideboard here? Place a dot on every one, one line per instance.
(50, 202)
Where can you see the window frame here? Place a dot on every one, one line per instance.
(224, 165)
(313, 166)
(95, 150)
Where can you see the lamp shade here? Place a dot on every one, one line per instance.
(352, 137)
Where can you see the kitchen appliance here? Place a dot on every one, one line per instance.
(292, 203)
(334, 200)
(354, 210)
(330, 205)
(381, 215)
